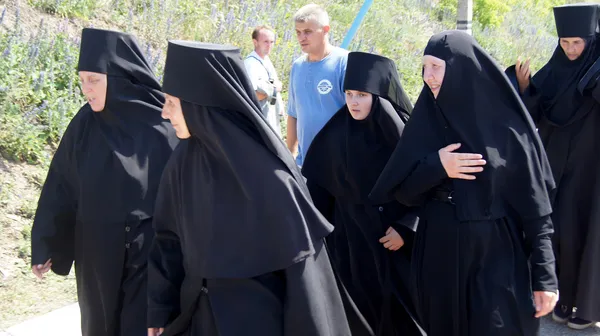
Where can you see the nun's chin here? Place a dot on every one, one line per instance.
(182, 134)
(97, 108)
(359, 115)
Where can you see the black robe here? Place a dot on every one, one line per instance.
(98, 199)
(341, 167)
(568, 123)
(239, 246)
(476, 239)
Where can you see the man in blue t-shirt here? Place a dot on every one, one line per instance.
(316, 80)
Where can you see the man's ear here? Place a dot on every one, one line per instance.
(326, 29)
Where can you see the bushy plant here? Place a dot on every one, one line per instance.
(39, 91)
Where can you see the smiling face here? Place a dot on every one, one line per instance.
(93, 86)
(359, 104)
(433, 73)
(172, 111)
(573, 47)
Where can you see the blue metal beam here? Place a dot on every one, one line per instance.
(357, 21)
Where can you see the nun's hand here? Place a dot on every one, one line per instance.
(544, 303)
(392, 240)
(155, 331)
(460, 165)
(39, 270)
(523, 74)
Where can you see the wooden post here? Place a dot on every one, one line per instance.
(464, 21)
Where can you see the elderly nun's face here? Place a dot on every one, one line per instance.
(433, 73)
(172, 111)
(359, 104)
(572, 46)
(93, 86)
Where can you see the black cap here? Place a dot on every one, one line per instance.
(376, 75)
(576, 20)
(207, 74)
(115, 54)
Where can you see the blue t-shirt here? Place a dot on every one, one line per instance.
(315, 95)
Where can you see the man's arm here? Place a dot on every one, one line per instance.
(261, 86)
(260, 95)
(292, 135)
(292, 119)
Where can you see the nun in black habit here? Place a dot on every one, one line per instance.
(482, 222)
(226, 260)
(97, 203)
(564, 101)
(341, 166)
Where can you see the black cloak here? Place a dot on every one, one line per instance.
(475, 238)
(568, 121)
(98, 198)
(341, 167)
(239, 245)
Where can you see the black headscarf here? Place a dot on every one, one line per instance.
(108, 165)
(478, 107)
(130, 124)
(558, 79)
(348, 155)
(234, 172)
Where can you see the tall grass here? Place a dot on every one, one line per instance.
(39, 91)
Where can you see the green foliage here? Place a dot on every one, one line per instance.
(487, 13)
(68, 8)
(37, 91)
(38, 81)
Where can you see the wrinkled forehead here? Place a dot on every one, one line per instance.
(432, 60)
(90, 74)
(572, 39)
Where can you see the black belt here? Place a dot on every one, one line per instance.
(442, 195)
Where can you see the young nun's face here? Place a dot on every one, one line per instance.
(172, 111)
(93, 86)
(572, 46)
(433, 73)
(359, 104)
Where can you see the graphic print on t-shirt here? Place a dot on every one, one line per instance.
(324, 86)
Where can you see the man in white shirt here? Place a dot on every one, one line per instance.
(264, 77)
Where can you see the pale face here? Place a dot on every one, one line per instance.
(264, 44)
(172, 111)
(93, 86)
(572, 46)
(311, 36)
(359, 104)
(433, 73)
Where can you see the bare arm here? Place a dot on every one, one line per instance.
(260, 95)
(292, 135)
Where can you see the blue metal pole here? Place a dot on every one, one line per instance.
(357, 21)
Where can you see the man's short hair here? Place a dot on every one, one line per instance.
(312, 12)
(257, 30)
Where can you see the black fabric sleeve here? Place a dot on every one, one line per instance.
(538, 241)
(53, 231)
(407, 224)
(596, 92)
(322, 199)
(531, 100)
(165, 261)
(428, 174)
